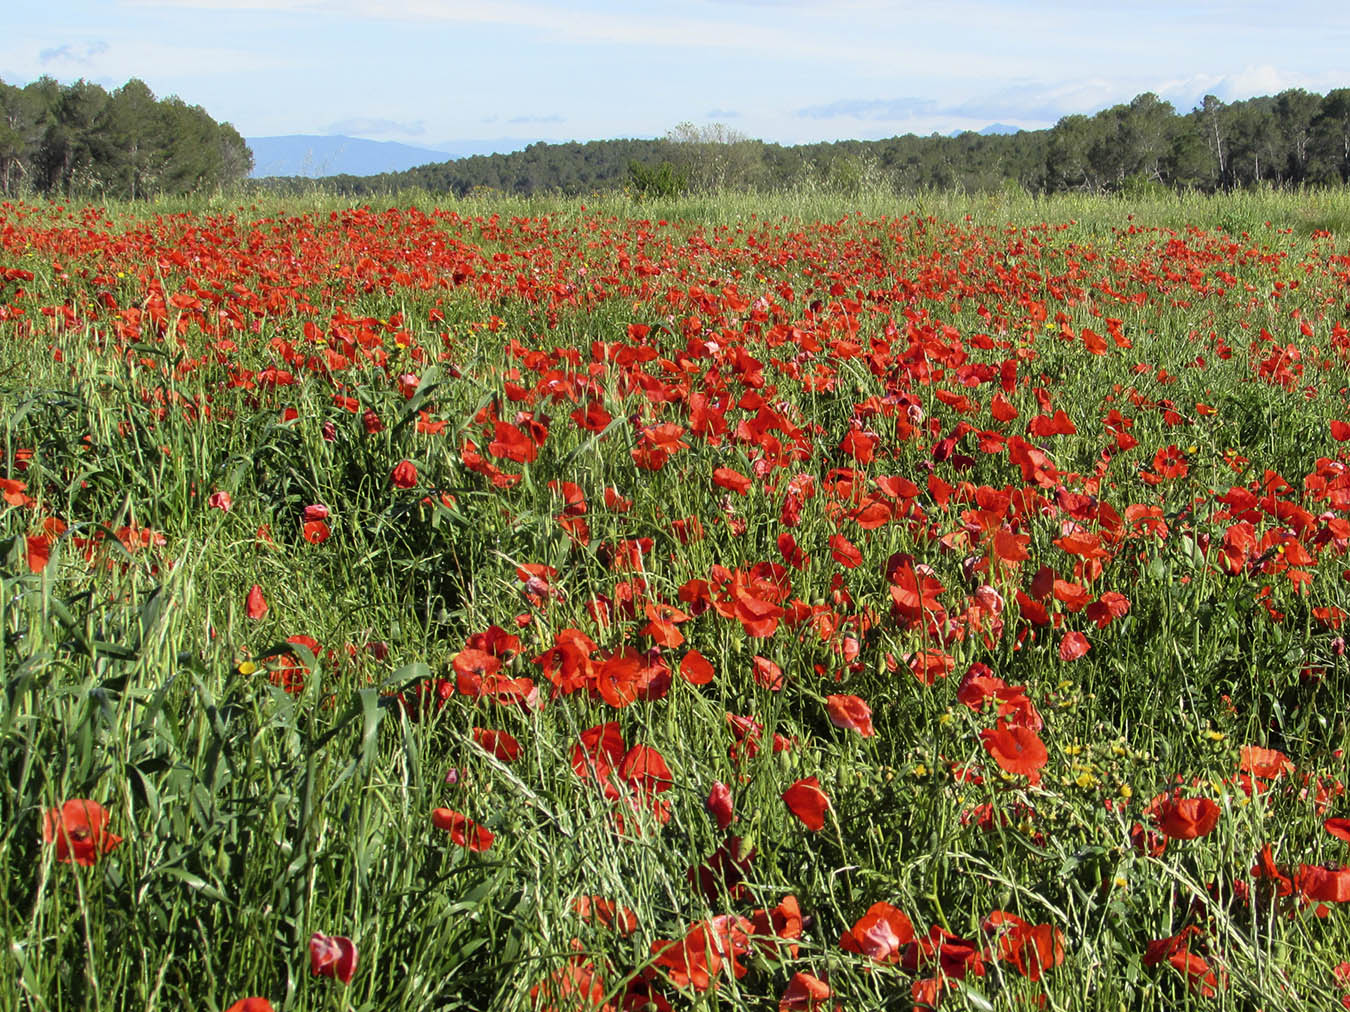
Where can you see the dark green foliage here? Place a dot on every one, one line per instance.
(1292, 138)
(664, 180)
(79, 140)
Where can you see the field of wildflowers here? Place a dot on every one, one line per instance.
(603, 609)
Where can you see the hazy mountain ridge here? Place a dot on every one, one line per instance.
(319, 155)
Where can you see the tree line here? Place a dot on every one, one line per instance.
(80, 140)
(1290, 139)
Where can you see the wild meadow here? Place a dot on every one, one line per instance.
(728, 603)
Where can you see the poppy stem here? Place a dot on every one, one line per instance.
(839, 837)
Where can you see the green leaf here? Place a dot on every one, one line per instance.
(194, 882)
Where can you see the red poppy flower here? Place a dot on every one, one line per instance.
(693, 961)
(1186, 818)
(791, 551)
(656, 445)
(695, 668)
(1146, 841)
(251, 1005)
(290, 667)
(511, 443)
(645, 770)
(1263, 762)
(39, 551)
(804, 992)
(1266, 870)
(850, 713)
(574, 985)
(598, 753)
(594, 418)
(930, 665)
(1073, 646)
(1002, 409)
(953, 957)
(1339, 828)
(808, 802)
(79, 830)
(605, 912)
(255, 605)
(497, 743)
(332, 957)
(1107, 608)
(732, 480)
(1010, 548)
(768, 674)
(879, 934)
(617, 678)
(664, 625)
(1159, 949)
(1323, 883)
(844, 552)
(783, 922)
(463, 830)
(1201, 977)
(404, 474)
(1030, 948)
(316, 532)
(724, 870)
(1016, 749)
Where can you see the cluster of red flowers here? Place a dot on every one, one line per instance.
(940, 959)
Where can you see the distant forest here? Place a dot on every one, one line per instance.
(1292, 138)
(79, 140)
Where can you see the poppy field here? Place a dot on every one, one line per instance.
(596, 609)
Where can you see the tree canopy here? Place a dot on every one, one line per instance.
(79, 140)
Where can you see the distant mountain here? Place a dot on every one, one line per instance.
(992, 130)
(317, 155)
(314, 156)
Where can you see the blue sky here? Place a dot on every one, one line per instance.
(427, 72)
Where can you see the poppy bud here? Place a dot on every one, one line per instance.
(332, 957)
(719, 804)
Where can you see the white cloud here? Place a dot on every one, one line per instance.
(81, 54)
(1186, 92)
(118, 59)
(793, 37)
(880, 109)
